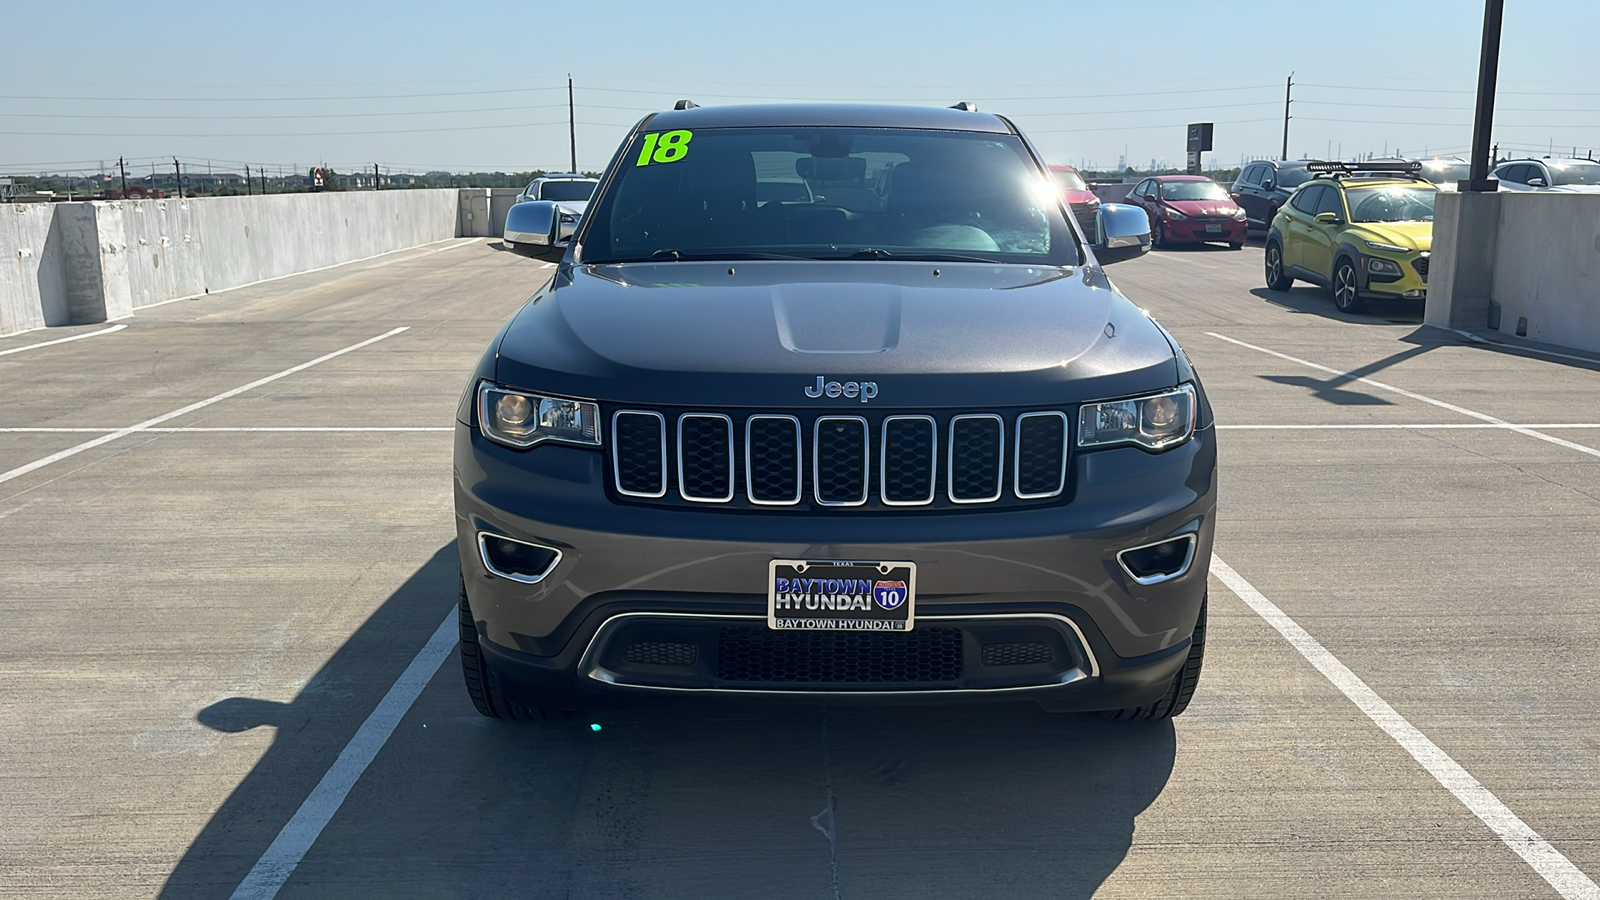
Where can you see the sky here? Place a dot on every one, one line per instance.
(417, 86)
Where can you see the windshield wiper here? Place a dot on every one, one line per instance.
(879, 253)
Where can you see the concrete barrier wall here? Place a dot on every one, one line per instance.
(89, 262)
(1523, 263)
(32, 284)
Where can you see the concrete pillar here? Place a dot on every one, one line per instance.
(84, 283)
(1461, 277)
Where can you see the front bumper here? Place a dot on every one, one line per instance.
(1232, 231)
(654, 576)
(1410, 283)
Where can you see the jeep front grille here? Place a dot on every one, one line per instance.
(839, 461)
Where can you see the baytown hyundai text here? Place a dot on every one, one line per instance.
(893, 437)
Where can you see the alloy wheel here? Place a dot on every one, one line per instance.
(1345, 295)
(1274, 265)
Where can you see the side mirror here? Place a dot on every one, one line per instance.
(1121, 232)
(1328, 218)
(533, 223)
(1267, 185)
(1536, 182)
(1150, 197)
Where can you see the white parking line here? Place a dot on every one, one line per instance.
(1545, 859)
(301, 831)
(1520, 429)
(76, 337)
(148, 424)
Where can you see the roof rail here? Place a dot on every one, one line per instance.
(966, 106)
(685, 104)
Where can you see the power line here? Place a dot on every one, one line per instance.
(340, 115)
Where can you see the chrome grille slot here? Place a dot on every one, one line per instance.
(977, 455)
(1041, 455)
(705, 457)
(639, 453)
(839, 461)
(908, 465)
(772, 469)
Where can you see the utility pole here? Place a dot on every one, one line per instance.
(1288, 95)
(1483, 121)
(247, 182)
(122, 165)
(572, 124)
(179, 171)
(374, 176)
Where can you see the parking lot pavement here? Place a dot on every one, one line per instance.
(206, 617)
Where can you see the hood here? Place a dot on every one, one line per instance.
(1573, 189)
(760, 333)
(1079, 198)
(1416, 235)
(1202, 208)
(576, 207)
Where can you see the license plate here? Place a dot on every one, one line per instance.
(1213, 229)
(840, 595)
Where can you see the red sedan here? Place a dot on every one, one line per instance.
(1078, 197)
(1187, 209)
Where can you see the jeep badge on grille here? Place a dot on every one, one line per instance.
(865, 390)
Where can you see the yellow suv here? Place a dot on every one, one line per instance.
(1363, 230)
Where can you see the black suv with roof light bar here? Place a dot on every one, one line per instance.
(893, 438)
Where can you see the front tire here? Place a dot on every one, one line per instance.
(1277, 278)
(1182, 688)
(1158, 235)
(482, 685)
(1346, 289)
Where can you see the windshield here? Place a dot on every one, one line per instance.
(1391, 204)
(1289, 177)
(843, 193)
(566, 190)
(1446, 172)
(1576, 173)
(1192, 190)
(1068, 180)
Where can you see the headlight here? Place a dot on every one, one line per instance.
(1156, 422)
(1173, 214)
(1238, 212)
(1392, 248)
(517, 419)
(1382, 266)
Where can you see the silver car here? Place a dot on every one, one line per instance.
(1562, 176)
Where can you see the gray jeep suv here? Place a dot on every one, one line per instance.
(899, 441)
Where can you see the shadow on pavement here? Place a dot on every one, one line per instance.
(1494, 342)
(673, 799)
(1312, 300)
(311, 730)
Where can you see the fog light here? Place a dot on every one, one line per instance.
(516, 560)
(1158, 562)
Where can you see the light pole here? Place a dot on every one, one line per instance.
(1483, 121)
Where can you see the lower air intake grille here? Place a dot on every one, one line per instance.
(758, 655)
(662, 653)
(1024, 653)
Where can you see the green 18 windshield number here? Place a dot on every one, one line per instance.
(664, 147)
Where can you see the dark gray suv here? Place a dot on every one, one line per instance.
(900, 440)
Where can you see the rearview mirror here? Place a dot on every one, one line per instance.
(1121, 232)
(1328, 218)
(822, 168)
